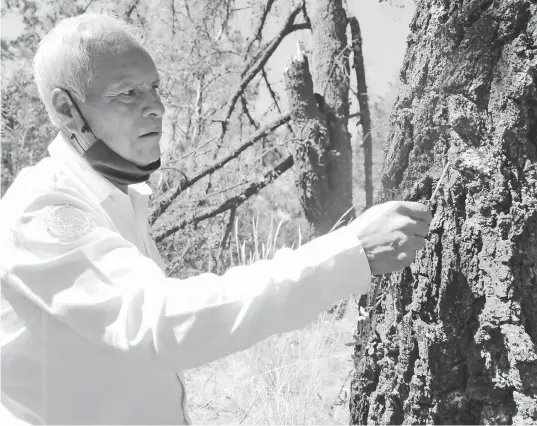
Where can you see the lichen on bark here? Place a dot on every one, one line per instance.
(455, 339)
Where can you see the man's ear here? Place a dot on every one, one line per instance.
(64, 109)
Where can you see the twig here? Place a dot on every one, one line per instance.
(275, 148)
(162, 205)
(134, 5)
(274, 97)
(259, 30)
(288, 28)
(172, 6)
(271, 91)
(174, 169)
(334, 66)
(87, 6)
(263, 60)
(204, 200)
(342, 216)
(343, 385)
(254, 123)
(172, 267)
(227, 233)
(233, 202)
(438, 184)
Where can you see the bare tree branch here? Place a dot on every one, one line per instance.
(288, 28)
(187, 8)
(247, 113)
(269, 87)
(305, 13)
(196, 152)
(233, 202)
(129, 11)
(274, 97)
(173, 266)
(257, 55)
(88, 5)
(174, 169)
(224, 26)
(163, 204)
(204, 201)
(172, 4)
(224, 243)
(259, 30)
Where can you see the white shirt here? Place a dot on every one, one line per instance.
(93, 332)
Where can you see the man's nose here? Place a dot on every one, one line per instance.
(153, 106)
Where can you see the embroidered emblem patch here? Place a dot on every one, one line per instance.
(67, 222)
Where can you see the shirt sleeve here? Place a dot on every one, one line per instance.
(69, 264)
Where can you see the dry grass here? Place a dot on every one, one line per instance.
(300, 377)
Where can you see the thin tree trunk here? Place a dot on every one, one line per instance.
(365, 114)
(322, 151)
(454, 340)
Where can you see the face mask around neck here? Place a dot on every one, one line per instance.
(115, 168)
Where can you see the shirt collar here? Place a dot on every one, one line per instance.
(61, 149)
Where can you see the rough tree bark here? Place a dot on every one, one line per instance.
(320, 109)
(454, 338)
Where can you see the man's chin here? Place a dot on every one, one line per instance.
(155, 156)
(146, 158)
(150, 161)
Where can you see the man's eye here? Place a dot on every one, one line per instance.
(129, 93)
(156, 89)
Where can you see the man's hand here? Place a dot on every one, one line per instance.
(391, 233)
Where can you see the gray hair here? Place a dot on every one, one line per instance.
(65, 55)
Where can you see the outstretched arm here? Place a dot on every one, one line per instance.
(100, 285)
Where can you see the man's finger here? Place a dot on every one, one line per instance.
(416, 243)
(416, 227)
(407, 257)
(415, 210)
(412, 243)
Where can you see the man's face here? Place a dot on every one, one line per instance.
(123, 107)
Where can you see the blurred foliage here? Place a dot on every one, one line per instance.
(26, 129)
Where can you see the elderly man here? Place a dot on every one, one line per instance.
(93, 332)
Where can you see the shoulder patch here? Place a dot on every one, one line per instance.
(67, 222)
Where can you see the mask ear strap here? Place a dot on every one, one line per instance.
(81, 149)
(85, 127)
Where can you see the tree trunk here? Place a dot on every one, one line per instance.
(453, 339)
(363, 102)
(322, 151)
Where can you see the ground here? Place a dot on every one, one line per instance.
(300, 377)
